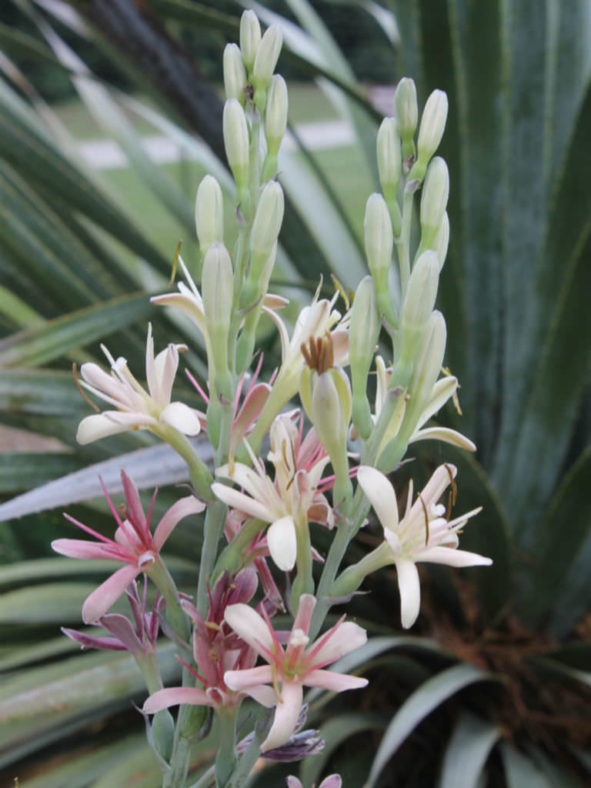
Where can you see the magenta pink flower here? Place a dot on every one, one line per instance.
(134, 545)
(291, 668)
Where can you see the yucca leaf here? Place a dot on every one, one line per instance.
(468, 749)
(422, 702)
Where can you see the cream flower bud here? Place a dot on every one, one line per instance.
(421, 292)
(250, 37)
(432, 126)
(406, 112)
(236, 141)
(267, 223)
(276, 113)
(379, 242)
(266, 57)
(389, 158)
(217, 284)
(433, 201)
(441, 242)
(209, 213)
(429, 360)
(234, 73)
(363, 335)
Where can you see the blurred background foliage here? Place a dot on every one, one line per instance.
(493, 686)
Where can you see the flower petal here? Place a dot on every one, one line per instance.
(451, 557)
(303, 617)
(81, 548)
(446, 435)
(247, 680)
(250, 626)
(286, 716)
(101, 599)
(182, 418)
(176, 696)
(381, 495)
(333, 682)
(282, 543)
(179, 510)
(410, 591)
(244, 503)
(263, 694)
(344, 638)
(93, 428)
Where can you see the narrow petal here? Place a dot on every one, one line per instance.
(176, 696)
(134, 505)
(333, 682)
(282, 543)
(246, 680)
(244, 503)
(182, 418)
(166, 364)
(345, 638)
(186, 303)
(410, 591)
(101, 599)
(250, 626)
(304, 615)
(263, 694)
(451, 557)
(178, 511)
(93, 428)
(80, 548)
(440, 394)
(286, 716)
(381, 495)
(446, 435)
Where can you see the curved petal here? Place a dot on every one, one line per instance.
(247, 680)
(446, 435)
(452, 557)
(176, 696)
(250, 626)
(333, 682)
(244, 503)
(282, 543)
(264, 695)
(286, 716)
(303, 617)
(186, 303)
(101, 599)
(381, 495)
(410, 591)
(337, 642)
(179, 510)
(441, 392)
(81, 548)
(93, 428)
(182, 418)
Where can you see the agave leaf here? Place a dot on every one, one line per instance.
(150, 467)
(521, 771)
(48, 342)
(45, 392)
(139, 767)
(45, 603)
(17, 43)
(468, 749)
(19, 657)
(23, 470)
(422, 702)
(335, 732)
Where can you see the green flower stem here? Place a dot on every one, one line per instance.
(246, 763)
(215, 519)
(231, 557)
(304, 581)
(353, 576)
(199, 473)
(190, 720)
(206, 780)
(403, 241)
(225, 761)
(175, 616)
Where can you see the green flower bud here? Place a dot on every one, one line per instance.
(266, 57)
(250, 37)
(209, 213)
(441, 242)
(266, 224)
(429, 360)
(363, 335)
(406, 113)
(276, 114)
(432, 126)
(433, 201)
(217, 286)
(389, 158)
(379, 242)
(236, 141)
(234, 73)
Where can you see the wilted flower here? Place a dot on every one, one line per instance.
(291, 668)
(424, 533)
(134, 545)
(136, 408)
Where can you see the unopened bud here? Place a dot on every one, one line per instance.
(267, 222)
(389, 158)
(441, 242)
(234, 73)
(363, 335)
(276, 114)
(421, 292)
(429, 358)
(379, 242)
(236, 141)
(250, 37)
(432, 126)
(406, 112)
(266, 57)
(217, 285)
(433, 201)
(209, 213)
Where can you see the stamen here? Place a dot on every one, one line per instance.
(175, 262)
(426, 519)
(454, 486)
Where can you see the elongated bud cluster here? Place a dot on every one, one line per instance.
(250, 37)
(234, 74)
(379, 243)
(431, 129)
(434, 202)
(209, 213)
(406, 112)
(236, 142)
(363, 335)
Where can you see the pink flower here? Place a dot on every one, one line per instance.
(291, 668)
(332, 781)
(134, 545)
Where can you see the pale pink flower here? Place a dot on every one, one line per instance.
(134, 545)
(136, 408)
(294, 496)
(292, 668)
(423, 534)
(332, 781)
